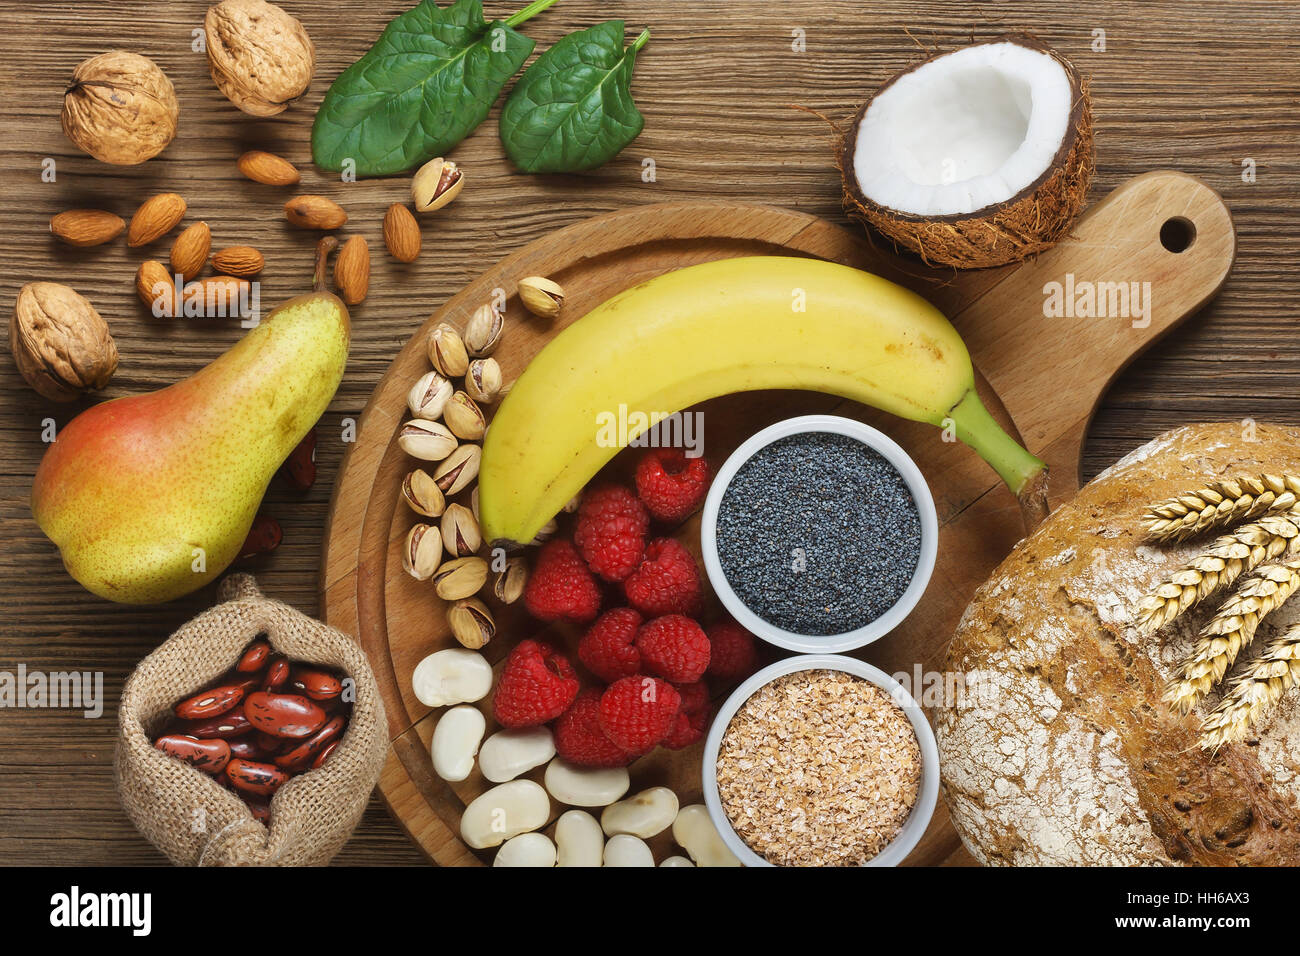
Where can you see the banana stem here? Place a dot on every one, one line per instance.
(1023, 473)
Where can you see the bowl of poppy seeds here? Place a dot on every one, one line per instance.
(819, 534)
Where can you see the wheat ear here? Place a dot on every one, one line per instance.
(1254, 691)
(1220, 504)
(1230, 556)
(1233, 627)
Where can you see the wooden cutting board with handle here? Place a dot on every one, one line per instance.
(1165, 231)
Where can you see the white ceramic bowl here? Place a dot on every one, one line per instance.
(928, 794)
(912, 477)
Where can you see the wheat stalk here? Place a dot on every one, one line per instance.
(1230, 556)
(1220, 504)
(1233, 627)
(1255, 690)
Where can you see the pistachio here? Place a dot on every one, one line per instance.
(464, 417)
(545, 531)
(460, 578)
(471, 623)
(460, 532)
(428, 397)
(484, 330)
(428, 441)
(572, 504)
(423, 494)
(473, 503)
(541, 296)
(447, 351)
(459, 469)
(483, 380)
(435, 184)
(510, 580)
(423, 551)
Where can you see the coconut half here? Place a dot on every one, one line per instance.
(973, 158)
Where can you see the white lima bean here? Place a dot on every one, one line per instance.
(527, 849)
(455, 741)
(649, 812)
(625, 850)
(508, 753)
(695, 833)
(586, 786)
(453, 676)
(505, 811)
(580, 839)
(676, 861)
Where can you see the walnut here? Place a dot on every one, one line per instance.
(120, 108)
(60, 343)
(261, 57)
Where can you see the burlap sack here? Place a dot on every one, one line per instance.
(188, 815)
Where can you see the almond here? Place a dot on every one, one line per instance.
(86, 227)
(217, 295)
(190, 250)
(242, 261)
(268, 168)
(352, 270)
(154, 285)
(401, 233)
(157, 216)
(315, 212)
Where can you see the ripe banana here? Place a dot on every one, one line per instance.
(727, 326)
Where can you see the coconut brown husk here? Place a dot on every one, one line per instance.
(1033, 220)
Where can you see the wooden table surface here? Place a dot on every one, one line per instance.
(1199, 86)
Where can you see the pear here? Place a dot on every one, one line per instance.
(150, 497)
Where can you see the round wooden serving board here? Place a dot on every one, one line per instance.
(1048, 373)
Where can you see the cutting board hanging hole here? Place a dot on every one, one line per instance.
(1177, 234)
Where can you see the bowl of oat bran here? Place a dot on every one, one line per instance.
(821, 760)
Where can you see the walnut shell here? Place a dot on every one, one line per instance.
(261, 57)
(120, 108)
(60, 343)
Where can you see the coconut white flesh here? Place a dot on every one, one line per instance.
(963, 132)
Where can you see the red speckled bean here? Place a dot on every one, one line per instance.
(246, 748)
(233, 724)
(254, 657)
(210, 703)
(276, 674)
(210, 756)
(284, 715)
(247, 682)
(269, 744)
(251, 776)
(316, 684)
(260, 809)
(325, 754)
(300, 757)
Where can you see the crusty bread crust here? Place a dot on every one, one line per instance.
(1061, 751)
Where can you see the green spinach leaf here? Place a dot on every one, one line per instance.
(572, 109)
(428, 81)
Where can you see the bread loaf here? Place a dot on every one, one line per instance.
(1060, 749)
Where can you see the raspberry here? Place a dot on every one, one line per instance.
(670, 484)
(579, 739)
(735, 656)
(611, 531)
(667, 582)
(674, 647)
(607, 649)
(638, 712)
(536, 685)
(695, 697)
(561, 587)
(687, 729)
